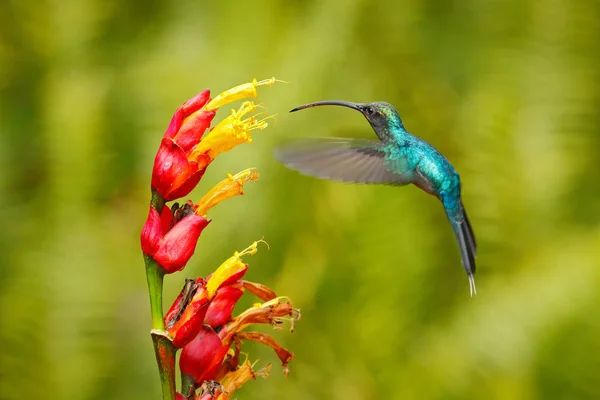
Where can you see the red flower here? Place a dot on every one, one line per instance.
(174, 175)
(204, 307)
(203, 356)
(186, 316)
(170, 242)
(193, 305)
(207, 357)
(182, 158)
(220, 308)
(171, 237)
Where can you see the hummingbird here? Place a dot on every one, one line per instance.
(397, 158)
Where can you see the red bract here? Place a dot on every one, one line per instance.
(207, 358)
(212, 300)
(220, 308)
(171, 246)
(186, 316)
(175, 173)
(203, 356)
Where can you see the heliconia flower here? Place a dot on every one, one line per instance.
(171, 237)
(209, 301)
(231, 270)
(221, 307)
(226, 297)
(183, 154)
(186, 316)
(171, 243)
(202, 357)
(206, 358)
(232, 186)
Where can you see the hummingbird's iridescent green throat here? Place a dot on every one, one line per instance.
(397, 158)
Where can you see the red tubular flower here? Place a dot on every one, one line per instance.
(183, 154)
(171, 243)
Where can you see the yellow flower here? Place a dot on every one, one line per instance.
(231, 269)
(233, 185)
(232, 131)
(239, 92)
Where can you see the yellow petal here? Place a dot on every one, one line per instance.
(230, 267)
(229, 187)
(244, 91)
(230, 132)
(235, 379)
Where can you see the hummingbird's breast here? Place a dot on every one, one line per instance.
(437, 175)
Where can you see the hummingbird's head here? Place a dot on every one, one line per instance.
(382, 116)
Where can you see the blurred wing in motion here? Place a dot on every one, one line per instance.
(345, 160)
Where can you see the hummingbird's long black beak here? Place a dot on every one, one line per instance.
(348, 104)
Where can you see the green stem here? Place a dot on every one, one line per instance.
(165, 357)
(188, 385)
(155, 274)
(163, 347)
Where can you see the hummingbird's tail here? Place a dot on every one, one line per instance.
(466, 242)
(469, 233)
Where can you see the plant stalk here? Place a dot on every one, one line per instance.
(163, 347)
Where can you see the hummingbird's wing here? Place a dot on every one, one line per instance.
(346, 160)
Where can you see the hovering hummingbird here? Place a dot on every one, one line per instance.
(397, 158)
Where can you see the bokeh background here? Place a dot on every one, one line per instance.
(509, 91)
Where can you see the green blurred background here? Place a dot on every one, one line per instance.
(509, 91)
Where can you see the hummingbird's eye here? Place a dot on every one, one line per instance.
(370, 110)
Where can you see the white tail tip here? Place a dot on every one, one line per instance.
(472, 287)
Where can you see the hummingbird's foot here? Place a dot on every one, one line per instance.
(472, 287)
